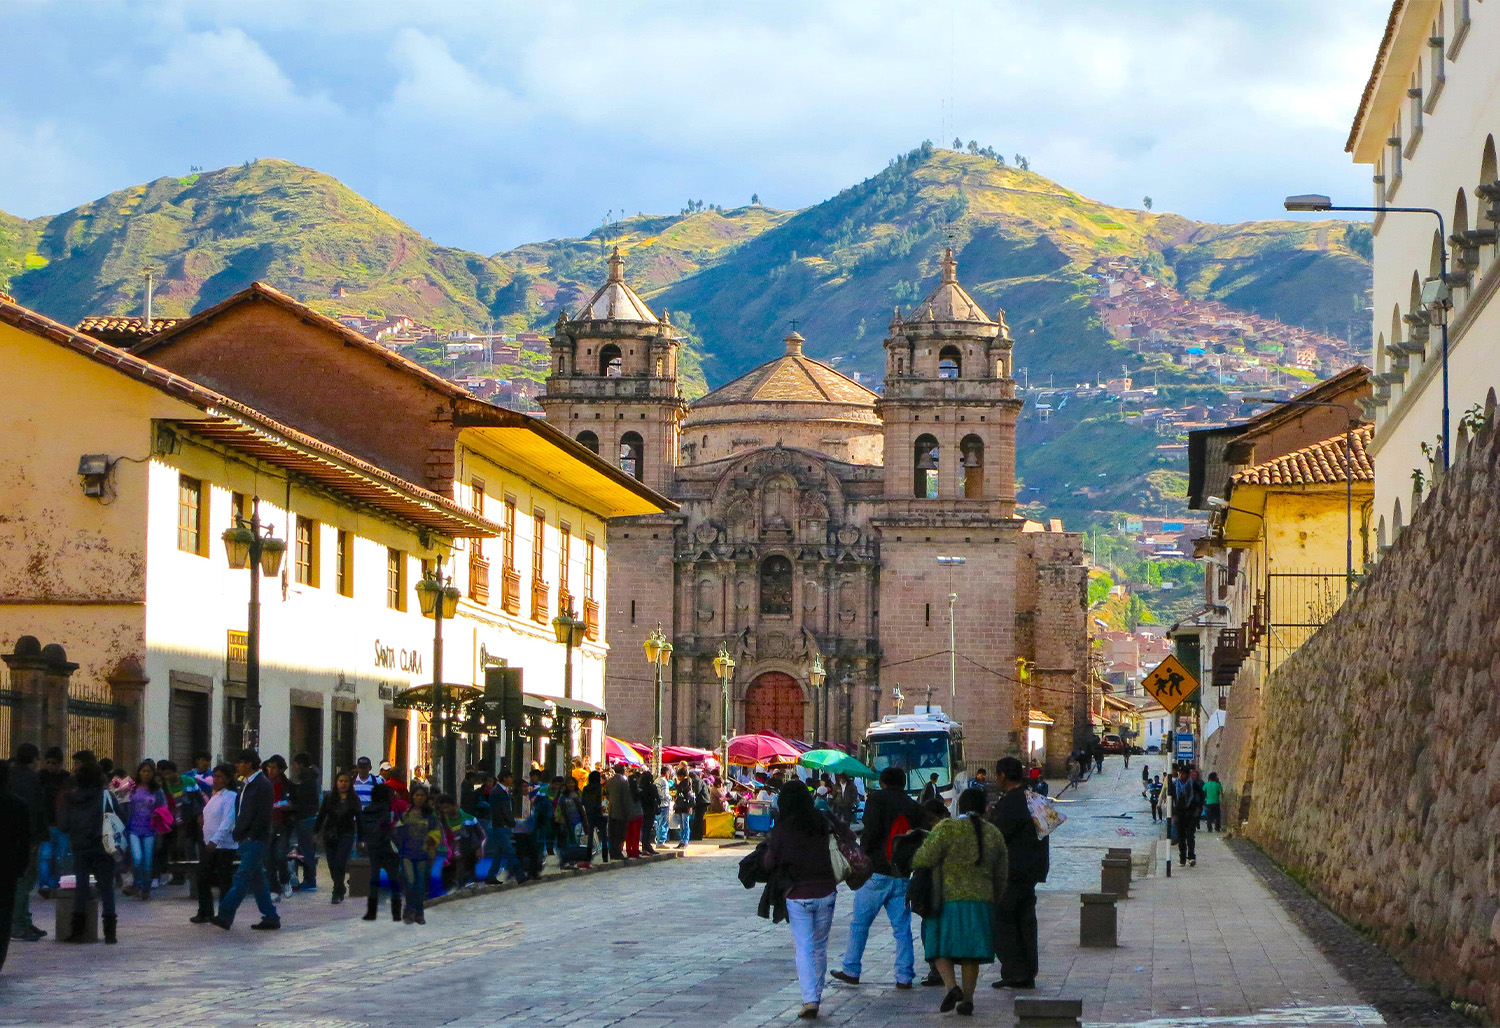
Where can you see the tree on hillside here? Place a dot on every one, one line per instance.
(1146, 203)
(958, 144)
(1022, 163)
(754, 199)
(973, 146)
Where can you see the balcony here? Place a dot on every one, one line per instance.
(591, 619)
(479, 579)
(1229, 655)
(564, 601)
(510, 591)
(539, 611)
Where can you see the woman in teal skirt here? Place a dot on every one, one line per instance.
(968, 856)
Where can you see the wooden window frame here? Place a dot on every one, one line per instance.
(395, 578)
(305, 552)
(192, 536)
(344, 563)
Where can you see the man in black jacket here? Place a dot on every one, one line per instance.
(1187, 808)
(26, 786)
(502, 826)
(252, 830)
(15, 851)
(1015, 914)
(889, 814)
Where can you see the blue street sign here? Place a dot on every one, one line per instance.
(1186, 750)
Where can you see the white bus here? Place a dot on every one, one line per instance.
(923, 743)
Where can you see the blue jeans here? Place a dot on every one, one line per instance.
(890, 893)
(503, 854)
(661, 827)
(250, 877)
(307, 846)
(142, 856)
(415, 875)
(56, 858)
(810, 921)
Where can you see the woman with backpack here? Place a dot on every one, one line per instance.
(337, 824)
(798, 847)
(82, 818)
(148, 816)
(968, 857)
(376, 822)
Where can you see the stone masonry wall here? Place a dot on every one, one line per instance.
(1379, 742)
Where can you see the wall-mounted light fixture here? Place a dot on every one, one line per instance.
(94, 469)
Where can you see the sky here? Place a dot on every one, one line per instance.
(485, 124)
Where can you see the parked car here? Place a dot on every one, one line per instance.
(1113, 744)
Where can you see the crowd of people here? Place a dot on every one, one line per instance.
(254, 829)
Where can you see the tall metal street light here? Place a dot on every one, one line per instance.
(569, 631)
(1353, 423)
(659, 653)
(247, 546)
(1436, 296)
(438, 598)
(816, 676)
(952, 562)
(724, 671)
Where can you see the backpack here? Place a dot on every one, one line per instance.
(112, 829)
(899, 827)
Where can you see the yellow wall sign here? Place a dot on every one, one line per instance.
(1170, 683)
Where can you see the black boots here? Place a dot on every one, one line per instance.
(110, 921)
(78, 928)
(395, 906)
(370, 905)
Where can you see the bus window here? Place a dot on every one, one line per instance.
(922, 755)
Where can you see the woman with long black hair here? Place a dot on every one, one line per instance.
(337, 824)
(798, 847)
(969, 857)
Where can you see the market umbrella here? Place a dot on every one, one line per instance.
(618, 752)
(760, 749)
(835, 762)
(691, 754)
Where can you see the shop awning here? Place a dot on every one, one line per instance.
(581, 708)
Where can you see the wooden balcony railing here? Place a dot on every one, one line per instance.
(564, 602)
(510, 591)
(591, 619)
(479, 579)
(539, 612)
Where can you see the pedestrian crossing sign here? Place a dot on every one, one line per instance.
(1170, 683)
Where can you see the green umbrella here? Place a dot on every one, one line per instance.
(835, 762)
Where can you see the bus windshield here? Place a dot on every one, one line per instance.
(922, 754)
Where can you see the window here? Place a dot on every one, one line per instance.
(610, 364)
(508, 540)
(776, 586)
(564, 556)
(239, 509)
(589, 441)
(395, 579)
(1414, 113)
(307, 551)
(588, 567)
(1435, 44)
(632, 451)
(925, 476)
(343, 571)
(1393, 175)
(190, 515)
(950, 361)
(538, 542)
(972, 452)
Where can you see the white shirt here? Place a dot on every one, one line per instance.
(218, 820)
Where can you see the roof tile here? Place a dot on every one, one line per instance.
(1319, 464)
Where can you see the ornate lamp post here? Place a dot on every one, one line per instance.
(659, 653)
(438, 598)
(248, 547)
(569, 631)
(816, 676)
(724, 671)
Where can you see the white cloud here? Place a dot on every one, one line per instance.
(227, 66)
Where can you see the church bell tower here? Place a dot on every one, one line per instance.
(614, 383)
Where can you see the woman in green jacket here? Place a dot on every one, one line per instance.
(968, 856)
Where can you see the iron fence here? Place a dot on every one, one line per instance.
(1298, 604)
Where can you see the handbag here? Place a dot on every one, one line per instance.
(112, 829)
(162, 821)
(856, 862)
(836, 859)
(924, 891)
(1044, 814)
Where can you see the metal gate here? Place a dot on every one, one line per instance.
(1298, 604)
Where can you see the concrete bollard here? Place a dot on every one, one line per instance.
(62, 925)
(1119, 851)
(1114, 876)
(1098, 921)
(1049, 1013)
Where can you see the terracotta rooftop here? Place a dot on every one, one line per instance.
(790, 378)
(103, 326)
(1319, 464)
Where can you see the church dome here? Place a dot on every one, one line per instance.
(950, 303)
(793, 400)
(616, 301)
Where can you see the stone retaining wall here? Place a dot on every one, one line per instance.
(1377, 752)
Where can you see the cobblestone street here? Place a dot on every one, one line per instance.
(678, 944)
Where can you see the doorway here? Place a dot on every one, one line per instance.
(187, 726)
(307, 732)
(774, 703)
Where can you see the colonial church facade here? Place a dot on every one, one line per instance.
(821, 519)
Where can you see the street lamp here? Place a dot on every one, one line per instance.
(724, 671)
(816, 676)
(952, 562)
(438, 598)
(1435, 294)
(569, 631)
(659, 653)
(1348, 471)
(248, 547)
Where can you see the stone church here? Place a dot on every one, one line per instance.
(819, 518)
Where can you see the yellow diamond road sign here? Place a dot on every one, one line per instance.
(1170, 683)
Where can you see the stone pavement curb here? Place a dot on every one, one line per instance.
(554, 876)
(1373, 972)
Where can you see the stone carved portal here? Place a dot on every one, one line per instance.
(773, 703)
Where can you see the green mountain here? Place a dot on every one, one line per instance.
(733, 279)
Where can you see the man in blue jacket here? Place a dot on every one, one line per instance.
(889, 814)
(252, 830)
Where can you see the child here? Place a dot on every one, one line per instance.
(1153, 793)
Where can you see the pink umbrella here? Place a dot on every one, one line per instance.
(618, 752)
(759, 749)
(691, 754)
